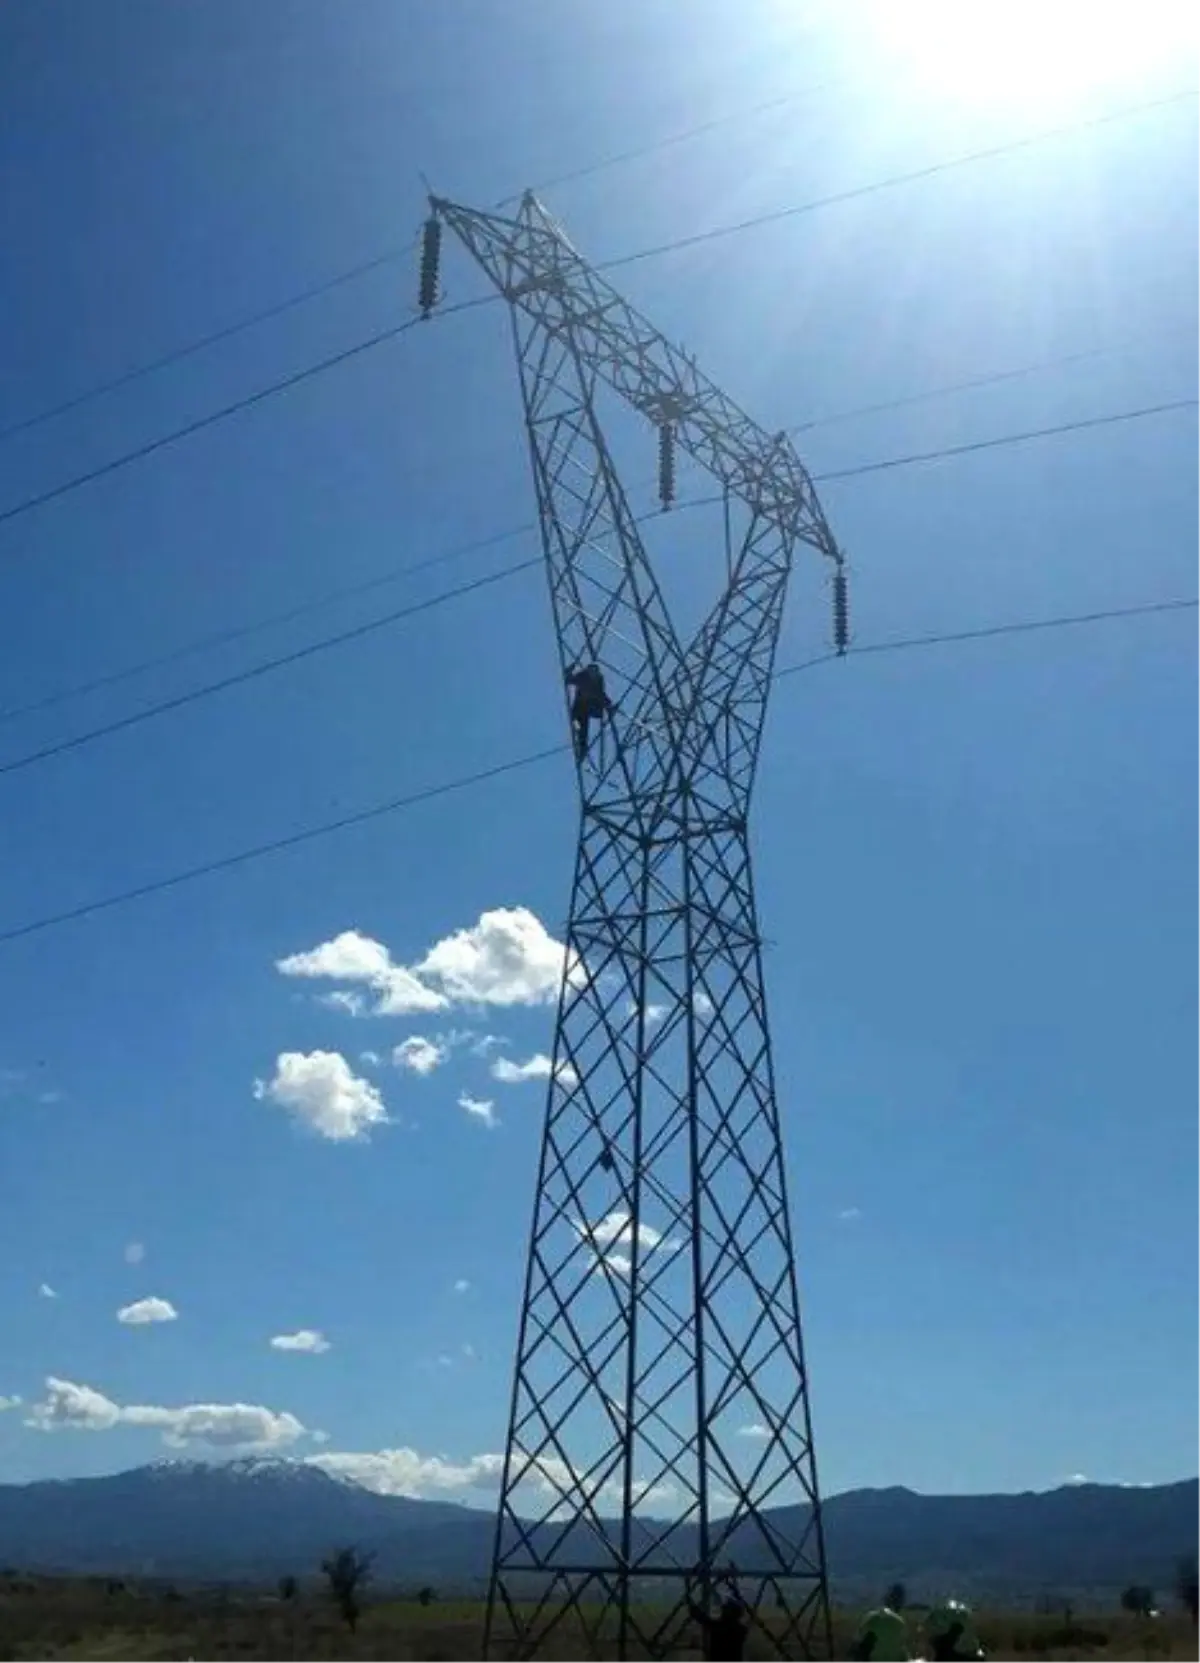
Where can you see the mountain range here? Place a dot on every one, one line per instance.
(256, 1520)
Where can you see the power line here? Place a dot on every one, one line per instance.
(239, 632)
(893, 180)
(388, 257)
(318, 368)
(990, 379)
(463, 782)
(214, 336)
(349, 591)
(210, 420)
(264, 667)
(672, 139)
(355, 632)
(1025, 626)
(225, 862)
(1008, 439)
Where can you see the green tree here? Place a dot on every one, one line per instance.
(1185, 1584)
(426, 1596)
(287, 1587)
(348, 1571)
(1138, 1599)
(896, 1597)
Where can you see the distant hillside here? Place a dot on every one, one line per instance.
(257, 1520)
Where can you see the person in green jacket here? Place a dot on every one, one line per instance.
(883, 1637)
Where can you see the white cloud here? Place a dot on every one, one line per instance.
(507, 958)
(614, 1229)
(480, 1109)
(45, 1291)
(371, 1058)
(419, 1054)
(356, 958)
(654, 1013)
(849, 1214)
(304, 1339)
(135, 1252)
(67, 1405)
(1077, 1478)
(344, 999)
(538, 1067)
(487, 1043)
(403, 1472)
(755, 1430)
(143, 1311)
(9, 1403)
(614, 1232)
(462, 1285)
(321, 1089)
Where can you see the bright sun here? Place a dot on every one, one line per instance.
(1045, 53)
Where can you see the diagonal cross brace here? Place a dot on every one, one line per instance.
(660, 1314)
(693, 711)
(535, 268)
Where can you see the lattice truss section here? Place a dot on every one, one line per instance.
(659, 1450)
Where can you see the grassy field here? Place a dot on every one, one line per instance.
(86, 1619)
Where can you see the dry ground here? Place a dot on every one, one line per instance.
(81, 1618)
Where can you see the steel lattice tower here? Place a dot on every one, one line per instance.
(660, 1404)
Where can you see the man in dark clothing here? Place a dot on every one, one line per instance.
(724, 1634)
(951, 1633)
(590, 702)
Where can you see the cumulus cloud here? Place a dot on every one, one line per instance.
(358, 959)
(134, 1253)
(653, 1013)
(612, 1236)
(755, 1430)
(479, 1108)
(507, 958)
(405, 1472)
(9, 1403)
(69, 1406)
(419, 1054)
(45, 1291)
(538, 1067)
(849, 1214)
(143, 1311)
(462, 1285)
(615, 1229)
(322, 1090)
(304, 1339)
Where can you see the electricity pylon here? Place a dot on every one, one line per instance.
(659, 1452)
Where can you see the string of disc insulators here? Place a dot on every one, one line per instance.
(427, 299)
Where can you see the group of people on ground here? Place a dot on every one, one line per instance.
(883, 1635)
(950, 1637)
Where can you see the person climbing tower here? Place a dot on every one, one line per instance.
(590, 702)
(724, 1631)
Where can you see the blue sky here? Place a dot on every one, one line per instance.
(976, 863)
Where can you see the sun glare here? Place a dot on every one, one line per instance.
(1048, 54)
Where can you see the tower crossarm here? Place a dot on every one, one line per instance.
(530, 261)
